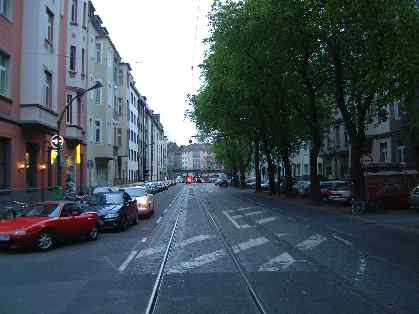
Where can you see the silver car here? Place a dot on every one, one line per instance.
(414, 198)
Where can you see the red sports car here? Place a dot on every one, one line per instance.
(44, 224)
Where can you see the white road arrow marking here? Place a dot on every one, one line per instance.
(235, 224)
(312, 242)
(249, 244)
(278, 263)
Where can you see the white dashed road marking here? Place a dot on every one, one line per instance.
(247, 215)
(278, 263)
(312, 242)
(279, 235)
(195, 239)
(158, 220)
(244, 208)
(349, 243)
(144, 239)
(125, 264)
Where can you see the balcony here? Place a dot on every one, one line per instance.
(74, 133)
(37, 115)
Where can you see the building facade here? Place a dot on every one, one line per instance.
(199, 158)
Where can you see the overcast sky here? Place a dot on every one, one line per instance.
(162, 40)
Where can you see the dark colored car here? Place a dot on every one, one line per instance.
(221, 182)
(116, 210)
(44, 224)
(12, 209)
(389, 196)
(414, 198)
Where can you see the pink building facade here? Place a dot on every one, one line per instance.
(34, 91)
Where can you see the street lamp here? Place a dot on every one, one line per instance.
(60, 118)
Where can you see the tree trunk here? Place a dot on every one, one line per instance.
(242, 177)
(288, 174)
(314, 177)
(358, 187)
(257, 168)
(417, 157)
(271, 173)
(278, 187)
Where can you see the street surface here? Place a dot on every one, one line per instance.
(232, 252)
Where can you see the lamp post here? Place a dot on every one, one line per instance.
(60, 118)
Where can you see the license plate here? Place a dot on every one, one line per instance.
(4, 237)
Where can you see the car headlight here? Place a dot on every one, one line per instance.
(20, 232)
(112, 215)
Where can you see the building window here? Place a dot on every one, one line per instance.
(83, 63)
(74, 12)
(31, 158)
(383, 152)
(98, 53)
(4, 74)
(4, 163)
(91, 129)
(5, 8)
(50, 31)
(84, 14)
(73, 58)
(119, 135)
(305, 169)
(401, 152)
(69, 110)
(48, 89)
(98, 96)
(98, 131)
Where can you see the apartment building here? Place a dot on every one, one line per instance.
(156, 147)
(104, 61)
(77, 81)
(33, 49)
(199, 158)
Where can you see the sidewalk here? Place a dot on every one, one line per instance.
(406, 220)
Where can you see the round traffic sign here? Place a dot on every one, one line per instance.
(57, 141)
(366, 160)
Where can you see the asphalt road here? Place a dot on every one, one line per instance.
(232, 252)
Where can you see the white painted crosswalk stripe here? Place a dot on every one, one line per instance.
(266, 220)
(312, 242)
(278, 263)
(186, 242)
(235, 224)
(215, 255)
(249, 244)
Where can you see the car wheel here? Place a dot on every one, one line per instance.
(45, 241)
(94, 233)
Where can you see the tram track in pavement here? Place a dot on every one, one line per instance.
(154, 297)
(279, 242)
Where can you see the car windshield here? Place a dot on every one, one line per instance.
(113, 198)
(44, 210)
(136, 192)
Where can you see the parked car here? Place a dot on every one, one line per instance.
(143, 200)
(327, 186)
(414, 198)
(12, 209)
(341, 192)
(264, 185)
(390, 196)
(44, 224)
(104, 189)
(222, 182)
(116, 210)
(302, 187)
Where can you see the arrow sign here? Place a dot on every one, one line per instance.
(57, 141)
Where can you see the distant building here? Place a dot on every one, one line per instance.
(174, 159)
(198, 159)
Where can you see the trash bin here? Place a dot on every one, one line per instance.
(57, 194)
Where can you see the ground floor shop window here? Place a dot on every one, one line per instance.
(4, 163)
